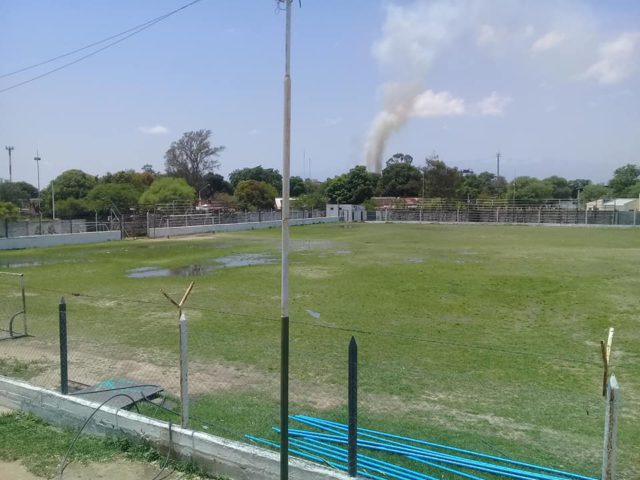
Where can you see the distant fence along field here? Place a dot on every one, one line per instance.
(504, 213)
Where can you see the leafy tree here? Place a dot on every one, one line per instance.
(17, 192)
(259, 174)
(594, 192)
(215, 183)
(72, 184)
(441, 181)
(73, 208)
(400, 158)
(530, 189)
(192, 157)
(167, 190)
(400, 179)
(105, 196)
(559, 187)
(578, 185)
(139, 180)
(252, 194)
(353, 187)
(297, 186)
(309, 201)
(623, 179)
(9, 210)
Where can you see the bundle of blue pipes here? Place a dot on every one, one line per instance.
(322, 445)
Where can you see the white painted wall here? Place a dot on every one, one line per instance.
(53, 240)
(232, 227)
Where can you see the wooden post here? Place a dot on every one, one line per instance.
(606, 359)
(184, 370)
(610, 429)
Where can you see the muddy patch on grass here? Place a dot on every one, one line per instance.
(231, 261)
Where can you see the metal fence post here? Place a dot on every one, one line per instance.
(610, 430)
(353, 407)
(184, 370)
(64, 377)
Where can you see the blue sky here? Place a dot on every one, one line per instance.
(551, 84)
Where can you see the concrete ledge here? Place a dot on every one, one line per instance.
(59, 239)
(162, 232)
(217, 455)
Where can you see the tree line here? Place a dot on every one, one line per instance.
(190, 177)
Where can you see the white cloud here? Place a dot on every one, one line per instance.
(547, 42)
(494, 104)
(617, 60)
(486, 35)
(154, 130)
(440, 104)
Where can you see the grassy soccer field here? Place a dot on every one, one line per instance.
(483, 337)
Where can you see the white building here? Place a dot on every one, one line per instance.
(615, 205)
(347, 212)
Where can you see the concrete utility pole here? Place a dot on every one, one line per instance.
(498, 166)
(284, 332)
(9, 149)
(37, 159)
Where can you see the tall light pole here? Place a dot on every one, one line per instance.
(9, 149)
(37, 159)
(284, 319)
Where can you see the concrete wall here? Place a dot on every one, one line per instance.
(217, 455)
(26, 228)
(232, 227)
(53, 240)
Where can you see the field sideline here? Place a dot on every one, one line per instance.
(483, 337)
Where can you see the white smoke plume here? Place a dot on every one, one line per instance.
(412, 38)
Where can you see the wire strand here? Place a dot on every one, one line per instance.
(135, 31)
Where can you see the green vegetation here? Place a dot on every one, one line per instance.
(42, 447)
(485, 337)
(11, 367)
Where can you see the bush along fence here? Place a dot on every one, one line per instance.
(352, 446)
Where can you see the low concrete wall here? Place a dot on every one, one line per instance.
(232, 227)
(53, 240)
(215, 454)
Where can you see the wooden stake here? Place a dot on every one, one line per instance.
(606, 360)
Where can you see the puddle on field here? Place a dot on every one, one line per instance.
(31, 263)
(196, 270)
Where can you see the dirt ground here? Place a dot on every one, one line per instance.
(119, 469)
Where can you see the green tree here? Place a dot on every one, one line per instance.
(105, 196)
(400, 158)
(9, 210)
(441, 181)
(400, 179)
(354, 187)
(297, 186)
(259, 174)
(215, 184)
(252, 195)
(17, 192)
(192, 157)
(73, 208)
(139, 180)
(168, 190)
(72, 184)
(578, 185)
(595, 192)
(529, 189)
(309, 201)
(559, 187)
(623, 179)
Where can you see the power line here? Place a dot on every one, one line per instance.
(133, 31)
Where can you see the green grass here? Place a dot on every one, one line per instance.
(11, 367)
(479, 336)
(41, 447)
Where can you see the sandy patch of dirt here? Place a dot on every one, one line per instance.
(120, 469)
